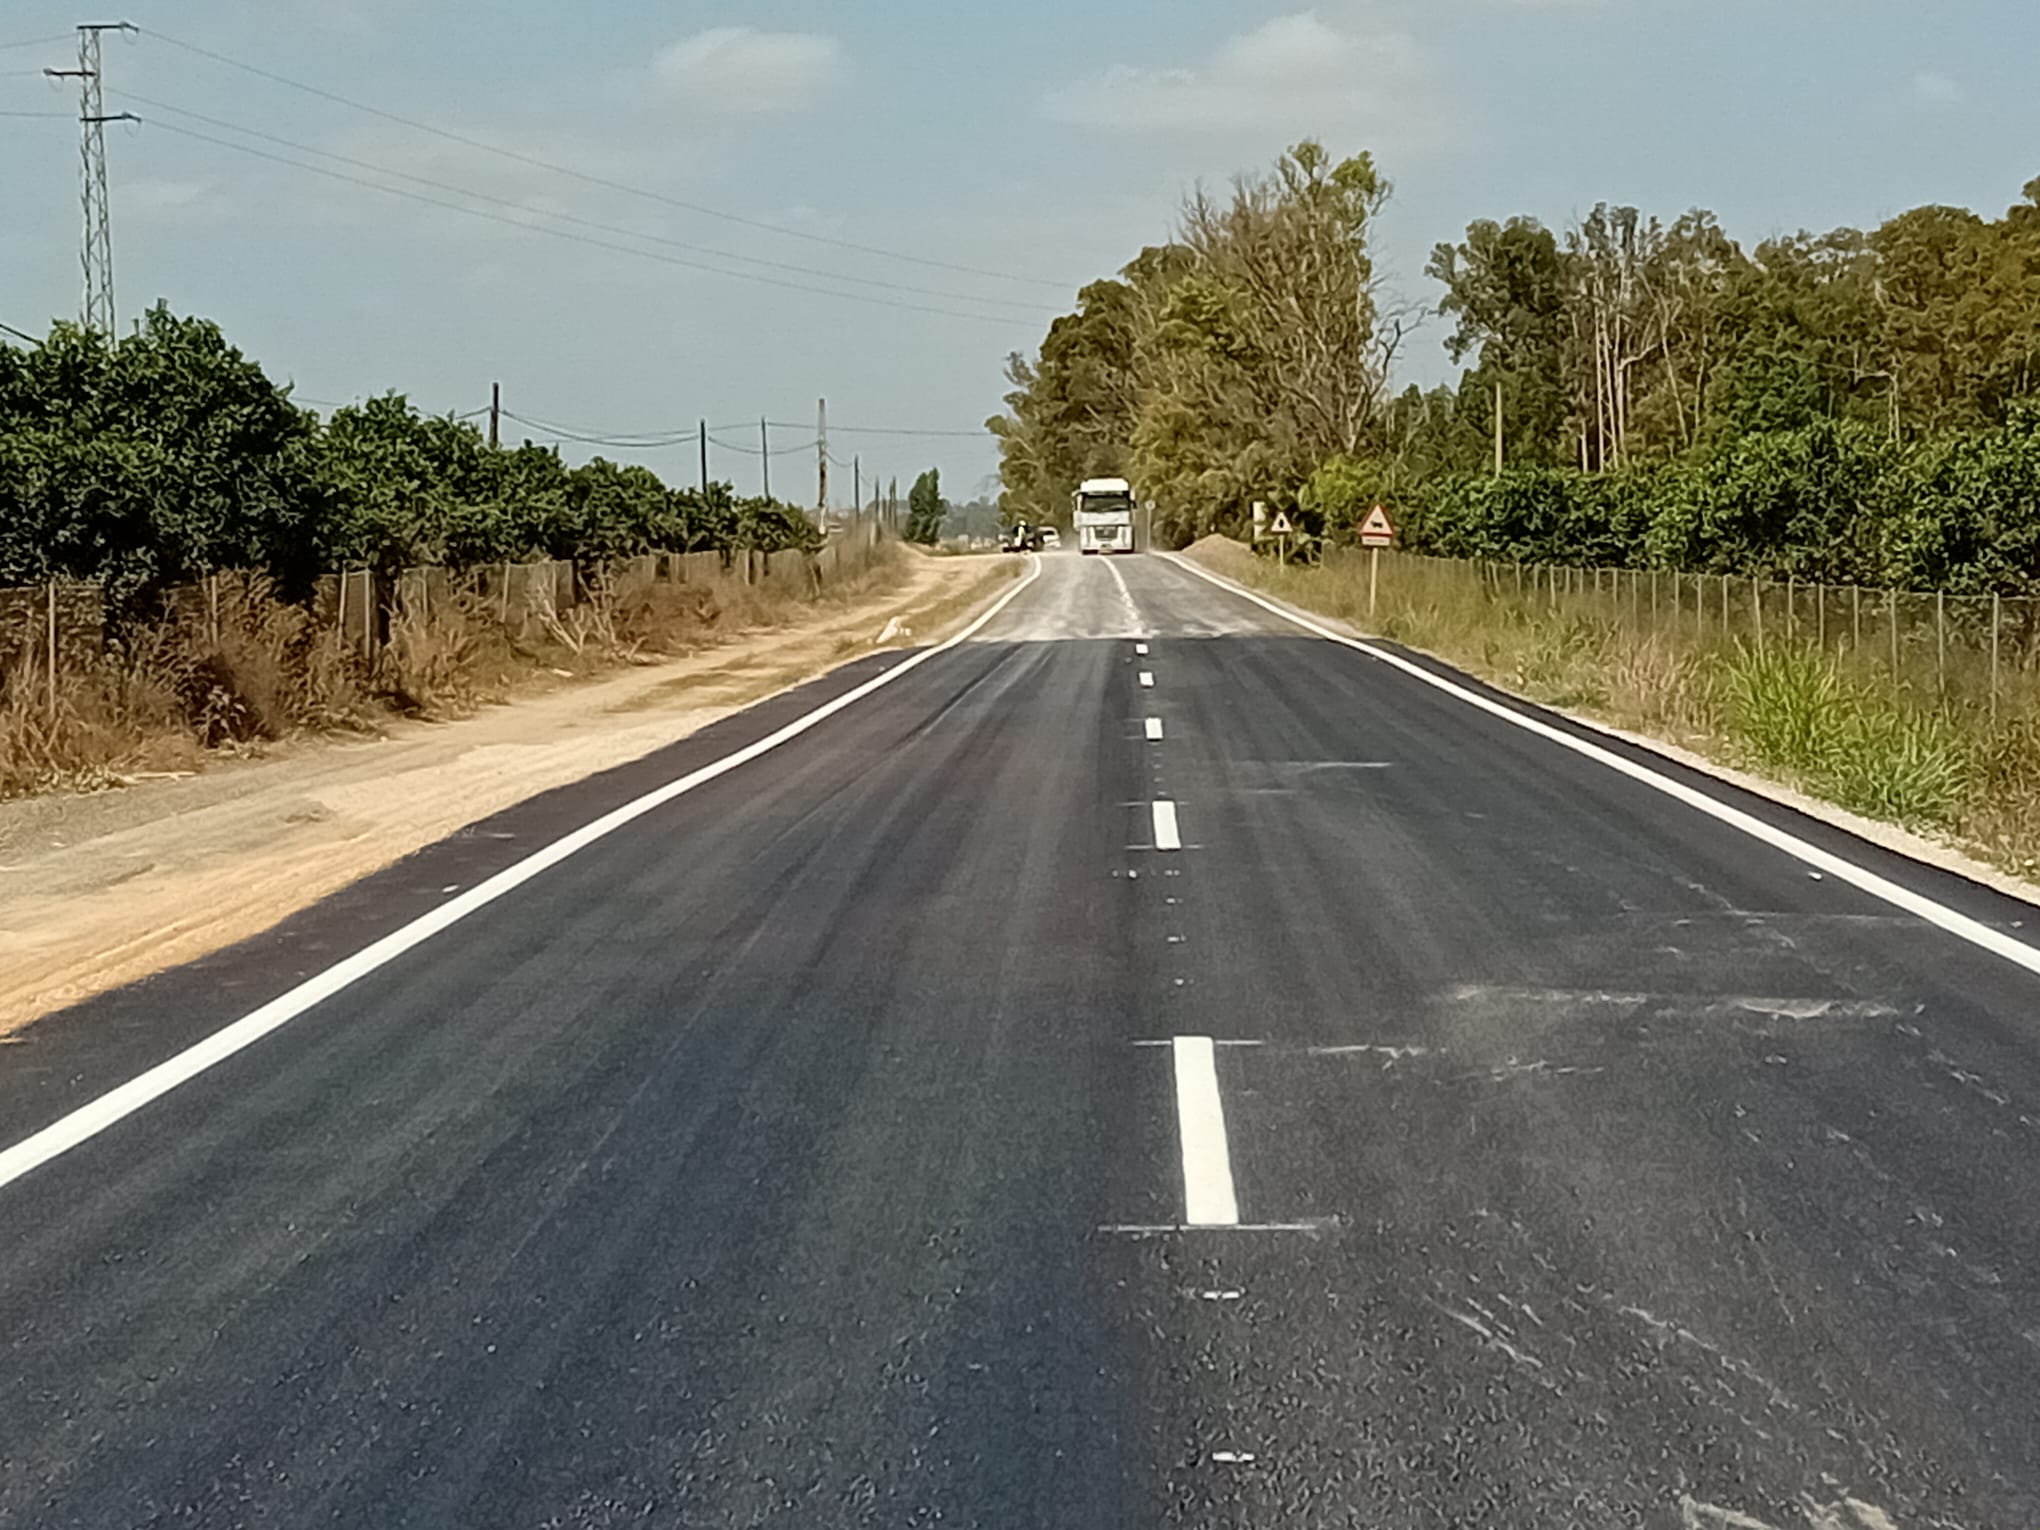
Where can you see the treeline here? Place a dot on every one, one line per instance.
(159, 457)
(1836, 502)
(1854, 406)
(1219, 369)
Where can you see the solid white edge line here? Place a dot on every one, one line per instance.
(1208, 1198)
(1960, 925)
(1154, 729)
(88, 1120)
(1167, 835)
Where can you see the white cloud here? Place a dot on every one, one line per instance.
(1933, 88)
(746, 70)
(1295, 73)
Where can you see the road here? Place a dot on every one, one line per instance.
(1143, 1065)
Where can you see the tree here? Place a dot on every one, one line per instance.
(149, 459)
(1506, 289)
(925, 509)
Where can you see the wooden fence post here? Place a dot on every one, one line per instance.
(1941, 642)
(1996, 608)
(52, 611)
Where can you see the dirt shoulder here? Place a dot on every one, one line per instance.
(100, 890)
(1227, 558)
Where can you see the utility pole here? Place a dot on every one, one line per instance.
(822, 461)
(704, 456)
(1498, 430)
(857, 484)
(495, 415)
(96, 253)
(765, 455)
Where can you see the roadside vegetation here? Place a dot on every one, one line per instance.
(164, 456)
(1855, 407)
(1642, 398)
(1832, 721)
(172, 525)
(185, 684)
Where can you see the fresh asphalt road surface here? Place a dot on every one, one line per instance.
(1144, 1065)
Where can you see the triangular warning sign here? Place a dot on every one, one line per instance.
(1280, 525)
(1376, 529)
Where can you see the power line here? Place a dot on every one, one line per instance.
(752, 451)
(603, 181)
(36, 42)
(43, 116)
(879, 430)
(20, 335)
(560, 233)
(1034, 309)
(645, 441)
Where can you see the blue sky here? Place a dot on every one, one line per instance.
(1047, 141)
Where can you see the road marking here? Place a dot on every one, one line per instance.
(1208, 1199)
(1147, 678)
(1162, 1229)
(1167, 836)
(89, 1120)
(1154, 729)
(1125, 596)
(1960, 925)
(1140, 649)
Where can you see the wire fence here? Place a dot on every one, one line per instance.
(1957, 652)
(47, 629)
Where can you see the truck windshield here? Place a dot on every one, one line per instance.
(1106, 504)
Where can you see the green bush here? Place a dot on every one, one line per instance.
(153, 459)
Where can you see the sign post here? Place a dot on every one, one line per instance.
(1375, 534)
(1281, 527)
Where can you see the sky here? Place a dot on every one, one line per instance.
(912, 189)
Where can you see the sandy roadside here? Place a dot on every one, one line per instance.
(99, 890)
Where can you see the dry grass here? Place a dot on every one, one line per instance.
(1921, 748)
(164, 696)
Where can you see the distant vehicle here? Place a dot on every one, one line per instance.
(1021, 537)
(1104, 515)
(1050, 537)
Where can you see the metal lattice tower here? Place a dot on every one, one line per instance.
(96, 253)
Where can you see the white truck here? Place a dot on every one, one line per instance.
(1103, 515)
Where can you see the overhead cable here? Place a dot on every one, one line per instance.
(887, 430)
(1035, 309)
(597, 180)
(561, 233)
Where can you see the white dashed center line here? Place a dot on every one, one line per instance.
(1208, 1197)
(1147, 678)
(1167, 836)
(1141, 649)
(1154, 729)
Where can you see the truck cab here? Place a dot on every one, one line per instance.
(1103, 514)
